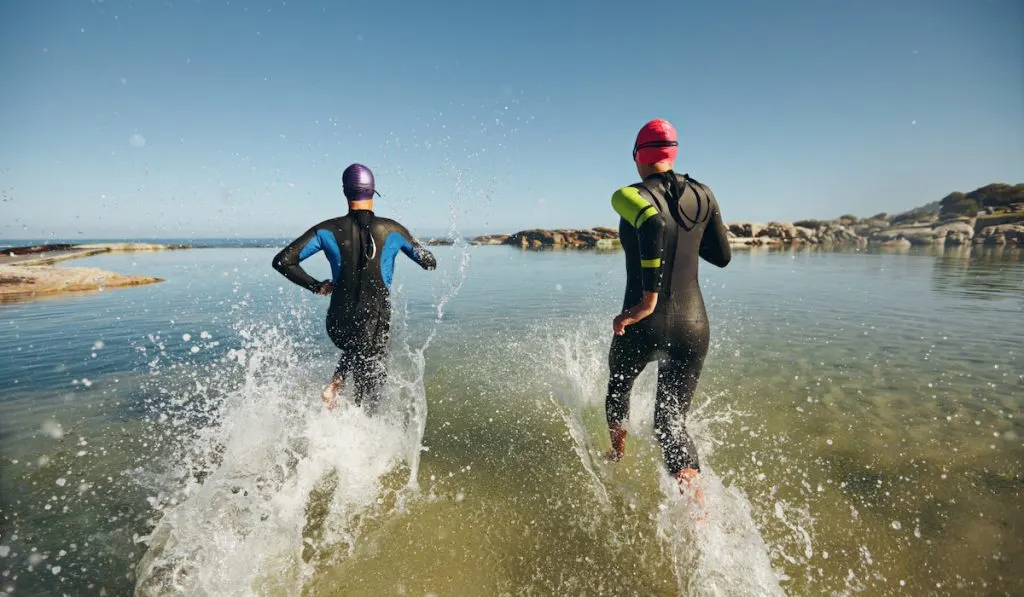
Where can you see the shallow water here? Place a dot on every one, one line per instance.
(859, 419)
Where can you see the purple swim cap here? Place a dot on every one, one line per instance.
(357, 183)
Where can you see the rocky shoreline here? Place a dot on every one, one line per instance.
(27, 273)
(600, 237)
(877, 232)
(991, 215)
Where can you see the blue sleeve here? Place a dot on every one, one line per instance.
(418, 253)
(287, 261)
(313, 247)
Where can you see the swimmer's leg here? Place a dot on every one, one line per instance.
(677, 382)
(625, 361)
(371, 371)
(332, 390)
(369, 379)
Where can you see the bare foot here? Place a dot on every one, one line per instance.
(331, 394)
(689, 486)
(618, 437)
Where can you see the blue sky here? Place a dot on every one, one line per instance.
(214, 118)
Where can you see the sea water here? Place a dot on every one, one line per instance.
(859, 424)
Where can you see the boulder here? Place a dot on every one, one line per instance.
(587, 238)
(493, 239)
(783, 231)
(806, 234)
(917, 235)
(1001, 235)
(955, 233)
(745, 229)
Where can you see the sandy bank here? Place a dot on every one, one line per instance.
(25, 282)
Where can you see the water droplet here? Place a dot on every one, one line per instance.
(53, 429)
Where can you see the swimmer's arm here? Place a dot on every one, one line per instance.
(714, 244)
(287, 261)
(633, 207)
(637, 312)
(417, 252)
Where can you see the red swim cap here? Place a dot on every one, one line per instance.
(656, 142)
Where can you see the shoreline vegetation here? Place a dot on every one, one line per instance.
(990, 215)
(28, 273)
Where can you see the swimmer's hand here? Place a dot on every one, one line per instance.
(426, 259)
(636, 313)
(325, 288)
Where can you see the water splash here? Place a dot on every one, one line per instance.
(716, 549)
(249, 482)
(273, 488)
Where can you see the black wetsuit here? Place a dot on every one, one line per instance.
(668, 220)
(361, 249)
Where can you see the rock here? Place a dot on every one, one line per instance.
(36, 249)
(899, 243)
(48, 254)
(587, 238)
(955, 233)
(129, 247)
(917, 235)
(23, 282)
(745, 229)
(494, 239)
(963, 227)
(805, 234)
(1002, 234)
(760, 241)
(783, 231)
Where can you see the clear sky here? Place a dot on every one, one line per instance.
(228, 118)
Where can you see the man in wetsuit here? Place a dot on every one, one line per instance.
(667, 221)
(361, 248)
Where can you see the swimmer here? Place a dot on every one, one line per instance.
(361, 248)
(667, 221)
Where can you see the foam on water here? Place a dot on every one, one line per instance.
(238, 523)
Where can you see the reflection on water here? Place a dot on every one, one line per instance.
(982, 272)
(860, 415)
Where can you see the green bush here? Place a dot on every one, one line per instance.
(911, 216)
(997, 195)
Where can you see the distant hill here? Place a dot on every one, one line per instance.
(996, 197)
(932, 207)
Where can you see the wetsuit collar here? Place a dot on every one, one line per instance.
(666, 174)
